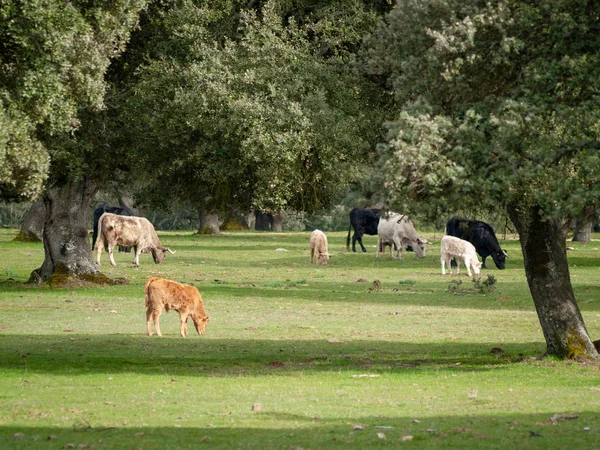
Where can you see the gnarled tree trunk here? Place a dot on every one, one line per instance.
(33, 223)
(544, 251)
(66, 241)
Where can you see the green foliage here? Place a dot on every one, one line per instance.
(255, 118)
(53, 59)
(489, 114)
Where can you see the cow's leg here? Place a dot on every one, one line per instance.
(443, 261)
(111, 255)
(361, 245)
(398, 245)
(457, 266)
(312, 255)
(98, 252)
(468, 266)
(184, 329)
(379, 247)
(483, 262)
(156, 317)
(136, 258)
(358, 237)
(149, 320)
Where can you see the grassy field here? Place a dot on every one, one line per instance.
(327, 358)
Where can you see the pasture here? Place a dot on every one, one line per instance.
(326, 356)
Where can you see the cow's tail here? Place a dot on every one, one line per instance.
(348, 239)
(147, 289)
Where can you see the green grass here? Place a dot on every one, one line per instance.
(332, 360)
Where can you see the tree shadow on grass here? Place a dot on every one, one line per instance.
(196, 356)
(293, 431)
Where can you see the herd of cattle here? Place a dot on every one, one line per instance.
(115, 226)
(464, 238)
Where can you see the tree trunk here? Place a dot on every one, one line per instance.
(277, 222)
(583, 230)
(65, 236)
(264, 221)
(208, 222)
(33, 223)
(545, 256)
(583, 226)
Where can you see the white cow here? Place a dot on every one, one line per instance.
(453, 247)
(126, 231)
(397, 229)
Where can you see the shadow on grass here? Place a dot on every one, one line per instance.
(511, 430)
(201, 356)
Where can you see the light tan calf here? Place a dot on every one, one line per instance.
(318, 247)
(453, 247)
(183, 298)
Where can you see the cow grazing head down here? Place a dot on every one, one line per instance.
(137, 232)
(162, 294)
(419, 248)
(481, 235)
(158, 254)
(200, 323)
(499, 258)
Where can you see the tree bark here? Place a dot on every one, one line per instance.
(264, 221)
(209, 221)
(583, 231)
(66, 241)
(545, 256)
(583, 226)
(33, 223)
(277, 222)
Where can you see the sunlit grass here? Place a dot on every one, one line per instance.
(332, 357)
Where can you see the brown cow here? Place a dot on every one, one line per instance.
(183, 298)
(127, 231)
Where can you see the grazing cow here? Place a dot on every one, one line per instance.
(364, 221)
(137, 232)
(398, 230)
(183, 298)
(481, 235)
(318, 247)
(122, 211)
(453, 247)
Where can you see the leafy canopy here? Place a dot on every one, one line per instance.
(499, 104)
(53, 57)
(264, 116)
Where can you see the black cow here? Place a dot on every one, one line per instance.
(481, 235)
(364, 221)
(122, 211)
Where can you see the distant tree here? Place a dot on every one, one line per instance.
(499, 108)
(253, 112)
